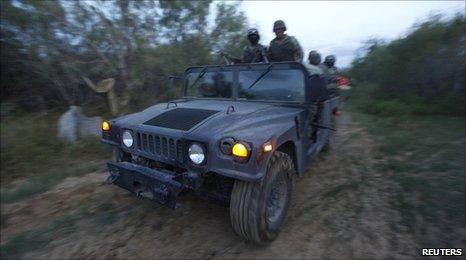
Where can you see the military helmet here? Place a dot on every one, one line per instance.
(253, 31)
(279, 24)
(330, 59)
(314, 58)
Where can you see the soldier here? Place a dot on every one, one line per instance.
(329, 66)
(222, 85)
(314, 61)
(331, 73)
(284, 47)
(254, 52)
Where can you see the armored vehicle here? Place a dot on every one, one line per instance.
(239, 135)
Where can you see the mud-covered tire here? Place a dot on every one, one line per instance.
(252, 203)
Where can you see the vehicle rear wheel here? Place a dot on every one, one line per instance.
(258, 209)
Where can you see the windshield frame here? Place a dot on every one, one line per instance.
(236, 68)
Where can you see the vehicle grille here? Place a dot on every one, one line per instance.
(165, 147)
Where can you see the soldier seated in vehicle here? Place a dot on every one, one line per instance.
(331, 73)
(218, 88)
(208, 90)
(314, 61)
(221, 85)
(317, 73)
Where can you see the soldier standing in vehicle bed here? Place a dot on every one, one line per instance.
(254, 52)
(284, 47)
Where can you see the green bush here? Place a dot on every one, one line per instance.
(370, 98)
(389, 108)
(421, 73)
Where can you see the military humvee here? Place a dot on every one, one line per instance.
(238, 135)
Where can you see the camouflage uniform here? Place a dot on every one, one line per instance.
(331, 73)
(314, 61)
(286, 49)
(314, 70)
(254, 53)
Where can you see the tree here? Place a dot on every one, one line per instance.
(229, 33)
(50, 47)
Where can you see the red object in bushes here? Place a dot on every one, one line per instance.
(341, 81)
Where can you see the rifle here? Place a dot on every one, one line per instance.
(228, 58)
(233, 60)
(264, 55)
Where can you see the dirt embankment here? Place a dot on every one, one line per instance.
(342, 208)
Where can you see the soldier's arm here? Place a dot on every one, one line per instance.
(232, 58)
(300, 54)
(298, 51)
(263, 53)
(268, 52)
(245, 54)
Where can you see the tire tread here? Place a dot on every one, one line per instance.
(246, 196)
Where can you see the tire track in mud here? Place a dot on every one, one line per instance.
(341, 208)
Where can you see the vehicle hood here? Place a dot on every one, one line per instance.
(214, 118)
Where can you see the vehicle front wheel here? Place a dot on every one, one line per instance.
(258, 209)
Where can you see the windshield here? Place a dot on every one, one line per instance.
(212, 84)
(265, 85)
(275, 85)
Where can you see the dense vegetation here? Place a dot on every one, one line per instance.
(49, 47)
(421, 73)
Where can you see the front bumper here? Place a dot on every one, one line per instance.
(152, 184)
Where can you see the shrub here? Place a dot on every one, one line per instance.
(389, 108)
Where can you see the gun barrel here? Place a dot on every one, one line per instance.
(226, 60)
(264, 56)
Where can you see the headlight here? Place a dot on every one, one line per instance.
(127, 138)
(105, 126)
(240, 150)
(196, 153)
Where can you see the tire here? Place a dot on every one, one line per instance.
(258, 209)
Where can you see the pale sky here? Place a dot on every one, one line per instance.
(340, 27)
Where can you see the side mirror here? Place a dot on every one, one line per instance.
(171, 86)
(172, 79)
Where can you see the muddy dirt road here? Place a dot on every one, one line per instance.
(341, 209)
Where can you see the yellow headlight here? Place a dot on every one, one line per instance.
(240, 150)
(105, 126)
